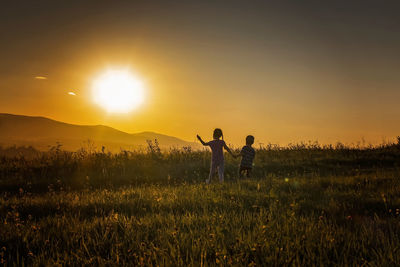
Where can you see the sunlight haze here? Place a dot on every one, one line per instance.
(281, 72)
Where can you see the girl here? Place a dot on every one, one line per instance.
(217, 159)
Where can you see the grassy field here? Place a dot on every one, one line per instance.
(306, 205)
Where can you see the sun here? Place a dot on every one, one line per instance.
(118, 91)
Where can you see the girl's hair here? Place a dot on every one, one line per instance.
(218, 133)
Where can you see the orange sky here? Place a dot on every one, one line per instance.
(284, 73)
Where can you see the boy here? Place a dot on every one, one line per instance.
(247, 154)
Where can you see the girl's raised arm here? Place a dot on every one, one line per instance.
(201, 141)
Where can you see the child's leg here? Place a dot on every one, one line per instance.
(240, 171)
(221, 172)
(248, 173)
(213, 168)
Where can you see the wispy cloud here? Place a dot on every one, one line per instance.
(71, 93)
(41, 78)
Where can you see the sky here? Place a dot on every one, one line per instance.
(283, 71)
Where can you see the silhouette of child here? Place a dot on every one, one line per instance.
(217, 158)
(247, 153)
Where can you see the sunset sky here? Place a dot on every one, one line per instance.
(284, 71)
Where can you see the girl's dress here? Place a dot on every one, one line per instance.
(217, 159)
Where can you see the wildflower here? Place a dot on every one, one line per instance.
(349, 217)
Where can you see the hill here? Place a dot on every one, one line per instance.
(42, 133)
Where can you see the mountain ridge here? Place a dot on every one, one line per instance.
(42, 132)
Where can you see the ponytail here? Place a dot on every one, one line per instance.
(218, 133)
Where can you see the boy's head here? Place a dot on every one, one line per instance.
(249, 140)
(217, 133)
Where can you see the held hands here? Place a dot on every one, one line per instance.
(235, 155)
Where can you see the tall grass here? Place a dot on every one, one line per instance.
(305, 205)
(97, 169)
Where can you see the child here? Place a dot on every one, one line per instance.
(247, 154)
(217, 159)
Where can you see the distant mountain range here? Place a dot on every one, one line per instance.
(43, 133)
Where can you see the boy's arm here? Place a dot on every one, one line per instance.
(241, 153)
(229, 151)
(201, 141)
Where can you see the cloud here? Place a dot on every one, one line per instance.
(40, 78)
(71, 93)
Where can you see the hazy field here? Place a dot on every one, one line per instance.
(306, 205)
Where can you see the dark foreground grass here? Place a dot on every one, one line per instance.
(308, 219)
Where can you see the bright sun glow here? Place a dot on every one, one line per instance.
(118, 91)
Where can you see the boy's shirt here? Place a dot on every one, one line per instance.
(248, 154)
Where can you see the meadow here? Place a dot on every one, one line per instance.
(306, 205)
